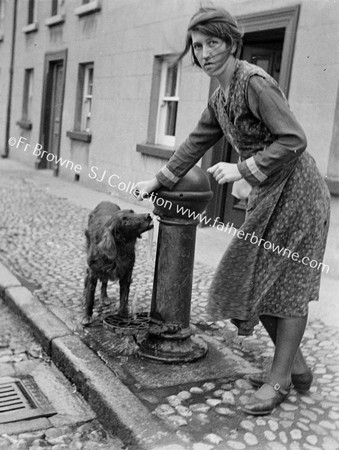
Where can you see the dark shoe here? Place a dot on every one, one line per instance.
(301, 382)
(258, 379)
(259, 407)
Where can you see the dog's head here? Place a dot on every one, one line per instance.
(129, 225)
(124, 227)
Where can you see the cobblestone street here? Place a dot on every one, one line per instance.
(42, 243)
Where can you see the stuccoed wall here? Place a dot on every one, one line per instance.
(122, 40)
(5, 57)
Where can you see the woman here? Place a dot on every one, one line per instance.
(288, 205)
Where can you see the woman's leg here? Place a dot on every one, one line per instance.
(289, 333)
(270, 324)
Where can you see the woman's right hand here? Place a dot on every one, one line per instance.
(143, 189)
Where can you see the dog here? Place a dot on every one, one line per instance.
(111, 237)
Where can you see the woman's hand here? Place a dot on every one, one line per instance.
(143, 189)
(225, 172)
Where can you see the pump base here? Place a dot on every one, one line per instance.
(171, 349)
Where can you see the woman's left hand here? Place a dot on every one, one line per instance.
(225, 172)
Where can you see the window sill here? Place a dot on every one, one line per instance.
(79, 136)
(333, 185)
(25, 124)
(88, 8)
(158, 151)
(30, 27)
(55, 20)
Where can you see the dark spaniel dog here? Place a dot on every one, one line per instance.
(111, 238)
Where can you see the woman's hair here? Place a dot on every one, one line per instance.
(215, 22)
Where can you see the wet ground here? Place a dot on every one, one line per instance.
(42, 243)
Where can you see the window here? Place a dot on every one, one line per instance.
(57, 14)
(86, 107)
(83, 108)
(28, 95)
(168, 103)
(88, 7)
(57, 6)
(26, 116)
(2, 18)
(31, 12)
(163, 110)
(32, 21)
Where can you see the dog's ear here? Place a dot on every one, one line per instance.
(116, 230)
(108, 241)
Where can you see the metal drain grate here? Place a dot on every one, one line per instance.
(131, 324)
(21, 398)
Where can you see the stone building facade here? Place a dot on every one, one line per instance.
(88, 89)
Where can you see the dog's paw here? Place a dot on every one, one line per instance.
(86, 320)
(124, 312)
(106, 301)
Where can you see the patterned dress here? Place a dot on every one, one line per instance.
(273, 264)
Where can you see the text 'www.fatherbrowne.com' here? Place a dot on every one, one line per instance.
(252, 238)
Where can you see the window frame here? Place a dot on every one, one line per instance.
(80, 132)
(2, 19)
(55, 7)
(58, 15)
(87, 98)
(90, 7)
(32, 17)
(32, 12)
(164, 100)
(28, 95)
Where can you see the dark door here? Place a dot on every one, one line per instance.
(52, 108)
(265, 50)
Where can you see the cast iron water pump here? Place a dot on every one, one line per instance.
(170, 338)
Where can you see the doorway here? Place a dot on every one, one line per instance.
(268, 44)
(52, 108)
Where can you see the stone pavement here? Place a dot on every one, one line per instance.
(41, 241)
(74, 426)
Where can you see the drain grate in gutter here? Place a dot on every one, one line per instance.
(21, 399)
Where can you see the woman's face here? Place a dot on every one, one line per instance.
(211, 52)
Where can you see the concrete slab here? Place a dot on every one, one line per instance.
(220, 362)
(7, 279)
(25, 367)
(24, 426)
(6, 370)
(45, 325)
(119, 410)
(74, 424)
(70, 406)
(154, 375)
